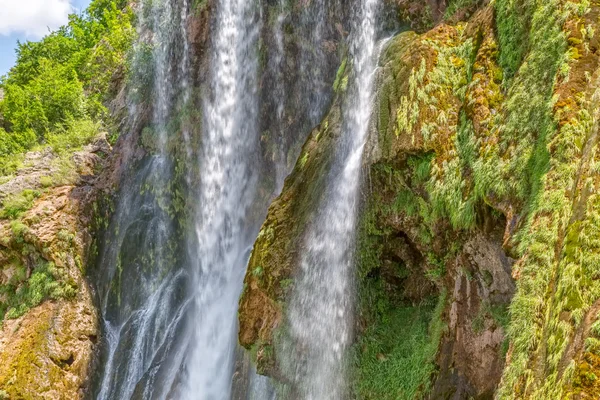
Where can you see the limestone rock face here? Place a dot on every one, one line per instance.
(45, 352)
(469, 359)
(480, 187)
(276, 249)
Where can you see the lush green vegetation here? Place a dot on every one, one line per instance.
(395, 354)
(530, 154)
(54, 97)
(395, 357)
(62, 80)
(546, 153)
(31, 278)
(457, 5)
(16, 205)
(22, 293)
(514, 24)
(489, 112)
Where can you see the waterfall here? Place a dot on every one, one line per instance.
(302, 41)
(228, 183)
(169, 279)
(320, 314)
(141, 283)
(313, 21)
(278, 95)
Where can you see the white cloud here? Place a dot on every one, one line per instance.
(33, 18)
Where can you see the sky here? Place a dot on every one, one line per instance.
(30, 20)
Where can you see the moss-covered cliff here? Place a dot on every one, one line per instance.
(60, 105)
(477, 267)
(49, 320)
(479, 196)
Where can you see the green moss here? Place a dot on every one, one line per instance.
(341, 76)
(19, 230)
(395, 356)
(370, 244)
(528, 123)
(14, 206)
(73, 135)
(514, 23)
(437, 267)
(457, 5)
(46, 282)
(199, 6)
(453, 194)
(547, 158)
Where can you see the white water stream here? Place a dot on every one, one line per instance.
(139, 323)
(156, 321)
(227, 190)
(321, 309)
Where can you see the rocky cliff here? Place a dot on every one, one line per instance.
(476, 258)
(50, 322)
(478, 196)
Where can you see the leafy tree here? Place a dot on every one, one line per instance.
(65, 77)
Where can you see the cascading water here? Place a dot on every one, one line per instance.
(314, 20)
(320, 310)
(170, 275)
(275, 69)
(227, 190)
(142, 284)
(301, 42)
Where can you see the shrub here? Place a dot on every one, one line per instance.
(58, 85)
(16, 205)
(73, 135)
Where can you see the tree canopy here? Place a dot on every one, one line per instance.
(65, 77)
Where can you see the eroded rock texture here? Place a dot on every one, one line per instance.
(479, 189)
(51, 324)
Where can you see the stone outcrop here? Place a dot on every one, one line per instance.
(479, 188)
(50, 321)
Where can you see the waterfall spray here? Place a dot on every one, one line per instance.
(139, 323)
(320, 311)
(227, 189)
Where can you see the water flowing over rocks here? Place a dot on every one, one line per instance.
(326, 199)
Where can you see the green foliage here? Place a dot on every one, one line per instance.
(48, 99)
(395, 357)
(341, 76)
(456, 5)
(63, 79)
(21, 294)
(452, 194)
(421, 168)
(199, 5)
(14, 206)
(514, 23)
(369, 244)
(19, 230)
(559, 252)
(437, 267)
(525, 156)
(595, 328)
(528, 119)
(73, 135)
